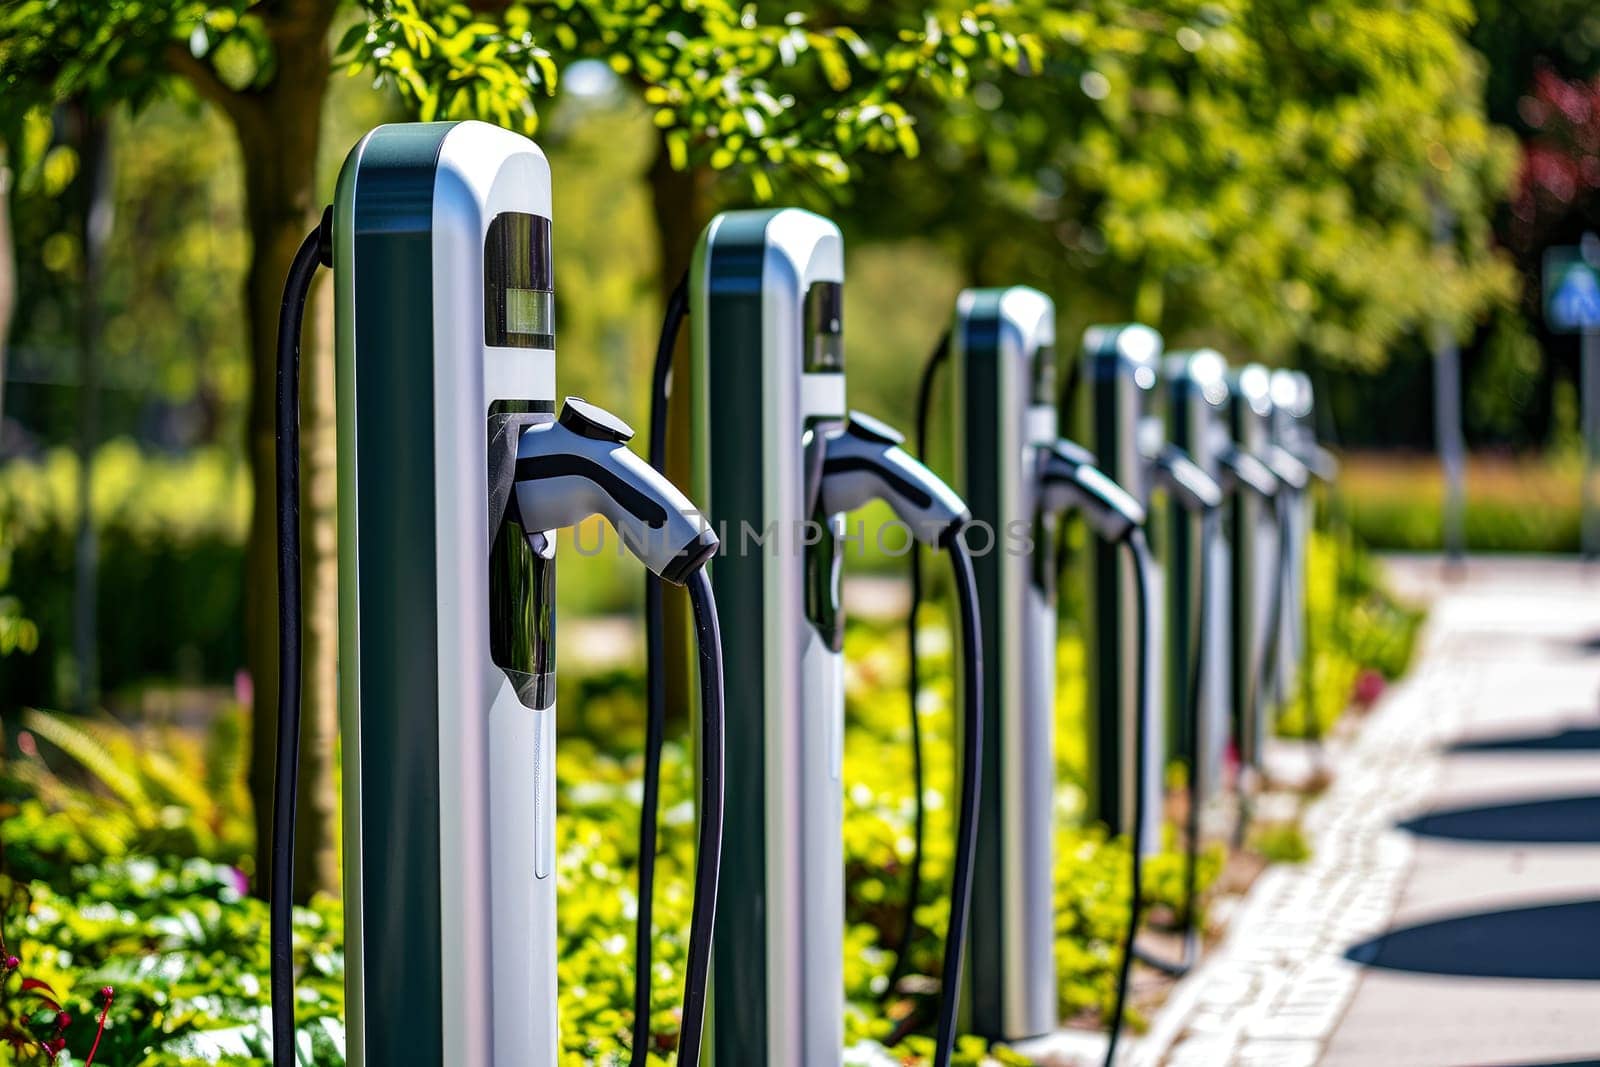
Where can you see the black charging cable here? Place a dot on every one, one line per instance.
(708, 849)
(655, 675)
(971, 757)
(1139, 551)
(1337, 527)
(1310, 732)
(315, 251)
(1266, 668)
(902, 946)
(1210, 531)
(1193, 697)
(1272, 649)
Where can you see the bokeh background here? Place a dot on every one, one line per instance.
(1350, 187)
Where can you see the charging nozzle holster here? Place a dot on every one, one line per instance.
(864, 461)
(579, 465)
(1189, 485)
(1070, 481)
(1241, 470)
(1323, 465)
(505, 431)
(1294, 474)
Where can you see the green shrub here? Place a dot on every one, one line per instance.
(1396, 502)
(186, 952)
(1281, 842)
(18, 633)
(1354, 624)
(170, 582)
(171, 563)
(161, 792)
(126, 848)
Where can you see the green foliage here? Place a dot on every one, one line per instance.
(121, 869)
(733, 87)
(18, 633)
(1281, 842)
(1354, 625)
(167, 302)
(170, 533)
(725, 80)
(1256, 174)
(186, 952)
(90, 789)
(1512, 504)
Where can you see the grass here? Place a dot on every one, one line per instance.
(1513, 504)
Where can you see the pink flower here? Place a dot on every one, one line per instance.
(1370, 685)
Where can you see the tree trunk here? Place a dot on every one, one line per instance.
(95, 205)
(680, 203)
(680, 209)
(8, 276)
(279, 132)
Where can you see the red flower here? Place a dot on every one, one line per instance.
(1370, 685)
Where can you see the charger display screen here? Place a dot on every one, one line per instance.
(823, 328)
(1043, 387)
(529, 311)
(518, 286)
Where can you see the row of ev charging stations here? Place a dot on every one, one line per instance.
(457, 466)
(1180, 638)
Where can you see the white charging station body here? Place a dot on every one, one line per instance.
(1121, 364)
(1003, 416)
(1197, 422)
(443, 319)
(762, 389)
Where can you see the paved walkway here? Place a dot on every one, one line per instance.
(1450, 914)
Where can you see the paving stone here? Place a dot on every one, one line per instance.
(1278, 1054)
(1490, 652)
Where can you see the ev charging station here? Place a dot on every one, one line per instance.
(1019, 477)
(757, 385)
(779, 462)
(1294, 434)
(454, 473)
(1250, 582)
(1196, 557)
(1291, 407)
(1258, 575)
(1004, 422)
(1123, 365)
(1120, 369)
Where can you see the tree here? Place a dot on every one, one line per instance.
(265, 67)
(1257, 174)
(718, 73)
(1519, 38)
(8, 270)
(1558, 189)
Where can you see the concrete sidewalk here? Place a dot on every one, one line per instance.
(1450, 914)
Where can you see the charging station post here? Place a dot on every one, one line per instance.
(1121, 364)
(1252, 569)
(775, 452)
(443, 284)
(1197, 412)
(1004, 417)
(455, 475)
(1291, 411)
(765, 376)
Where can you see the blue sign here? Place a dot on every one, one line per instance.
(1572, 291)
